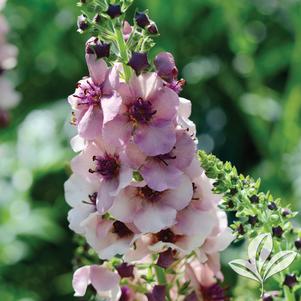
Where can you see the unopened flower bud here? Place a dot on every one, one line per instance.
(253, 220)
(153, 29)
(139, 61)
(114, 11)
(97, 19)
(277, 231)
(298, 244)
(254, 199)
(233, 191)
(142, 19)
(125, 270)
(100, 49)
(158, 293)
(241, 229)
(286, 212)
(267, 297)
(82, 23)
(290, 280)
(166, 66)
(166, 259)
(272, 206)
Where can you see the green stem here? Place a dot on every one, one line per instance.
(289, 295)
(123, 54)
(160, 273)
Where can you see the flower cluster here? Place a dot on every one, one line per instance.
(9, 97)
(138, 194)
(137, 187)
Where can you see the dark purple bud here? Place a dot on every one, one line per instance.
(241, 230)
(267, 297)
(114, 11)
(100, 49)
(82, 23)
(4, 119)
(142, 19)
(166, 66)
(298, 244)
(97, 19)
(126, 294)
(254, 199)
(125, 270)
(153, 29)
(230, 204)
(277, 231)
(191, 297)
(214, 292)
(272, 206)
(290, 280)
(253, 220)
(286, 212)
(139, 62)
(158, 293)
(166, 259)
(233, 191)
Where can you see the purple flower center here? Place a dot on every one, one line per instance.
(121, 229)
(141, 111)
(107, 166)
(166, 236)
(89, 94)
(149, 194)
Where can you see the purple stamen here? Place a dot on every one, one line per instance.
(107, 166)
(141, 111)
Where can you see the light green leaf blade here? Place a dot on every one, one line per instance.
(278, 263)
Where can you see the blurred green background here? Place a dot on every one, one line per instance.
(242, 63)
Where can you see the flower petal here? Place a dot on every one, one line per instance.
(118, 131)
(98, 68)
(81, 280)
(110, 107)
(160, 177)
(180, 197)
(154, 218)
(90, 126)
(165, 102)
(102, 279)
(162, 134)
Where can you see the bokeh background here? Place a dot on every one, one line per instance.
(242, 63)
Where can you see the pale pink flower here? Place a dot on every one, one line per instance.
(147, 114)
(102, 162)
(218, 240)
(104, 281)
(188, 234)
(108, 237)
(163, 171)
(150, 210)
(81, 195)
(183, 120)
(95, 100)
(203, 196)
